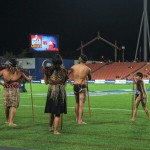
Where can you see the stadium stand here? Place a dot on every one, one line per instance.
(145, 70)
(95, 66)
(117, 70)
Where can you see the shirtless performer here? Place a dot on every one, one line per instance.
(12, 77)
(140, 96)
(81, 73)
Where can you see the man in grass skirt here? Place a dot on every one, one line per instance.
(12, 77)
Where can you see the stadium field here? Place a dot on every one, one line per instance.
(108, 128)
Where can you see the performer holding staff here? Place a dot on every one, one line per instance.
(80, 73)
(56, 76)
(12, 77)
(141, 95)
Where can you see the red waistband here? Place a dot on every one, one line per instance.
(11, 85)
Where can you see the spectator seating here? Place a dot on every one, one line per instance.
(117, 70)
(95, 66)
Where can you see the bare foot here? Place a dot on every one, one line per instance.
(132, 119)
(51, 129)
(56, 132)
(82, 122)
(12, 124)
(7, 122)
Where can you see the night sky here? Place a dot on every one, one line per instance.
(73, 21)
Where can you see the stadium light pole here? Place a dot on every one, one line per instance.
(146, 36)
(145, 30)
(123, 48)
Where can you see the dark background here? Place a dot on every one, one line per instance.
(73, 21)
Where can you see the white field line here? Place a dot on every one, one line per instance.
(92, 108)
(96, 93)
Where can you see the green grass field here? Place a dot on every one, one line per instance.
(108, 128)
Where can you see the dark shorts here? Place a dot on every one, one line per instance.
(142, 100)
(79, 88)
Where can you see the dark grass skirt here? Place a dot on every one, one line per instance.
(56, 107)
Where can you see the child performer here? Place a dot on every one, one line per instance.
(141, 95)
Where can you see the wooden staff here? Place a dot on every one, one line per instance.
(32, 100)
(89, 111)
(133, 96)
(61, 123)
(43, 67)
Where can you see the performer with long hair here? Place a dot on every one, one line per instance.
(81, 73)
(141, 95)
(12, 77)
(56, 76)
